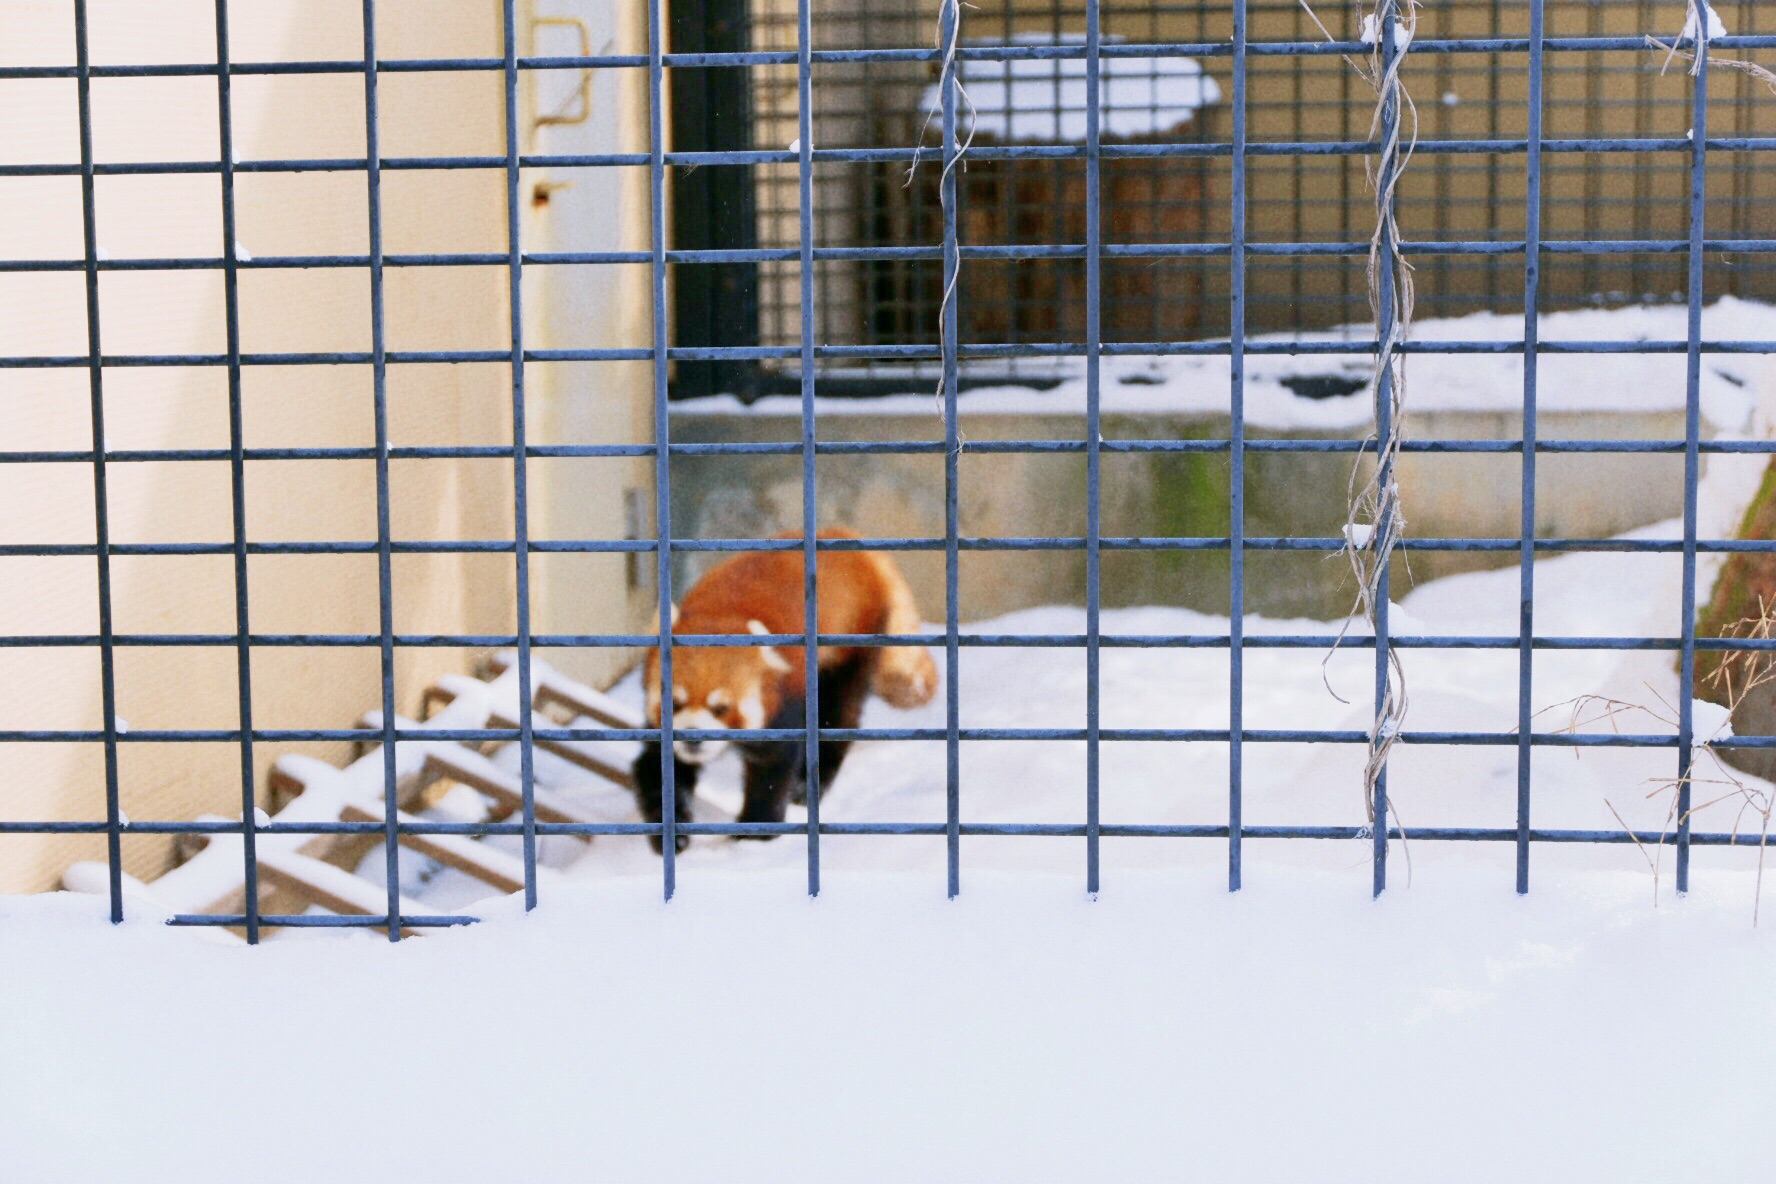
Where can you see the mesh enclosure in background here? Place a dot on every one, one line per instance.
(1185, 199)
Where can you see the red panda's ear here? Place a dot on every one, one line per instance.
(773, 659)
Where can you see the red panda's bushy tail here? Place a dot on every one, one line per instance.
(904, 675)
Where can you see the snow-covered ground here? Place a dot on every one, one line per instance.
(1295, 1031)
(1439, 382)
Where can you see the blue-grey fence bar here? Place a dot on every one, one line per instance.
(1386, 277)
(237, 472)
(1692, 458)
(1094, 348)
(950, 13)
(1532, 265)
(810, 500)
(1236, 447)
(949, 352)
(385, 595)
(520, 471)
(101, 498)
(662, 439)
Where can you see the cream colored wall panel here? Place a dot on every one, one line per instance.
(282, 310)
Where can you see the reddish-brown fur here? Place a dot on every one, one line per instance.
(758, 686)
(858, 592)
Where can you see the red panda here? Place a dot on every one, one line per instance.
(760, 686)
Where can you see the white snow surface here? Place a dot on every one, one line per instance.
(1045, 99)
(1711, 721)
(1134, 385)
(1371, 32)
(1167, 1030)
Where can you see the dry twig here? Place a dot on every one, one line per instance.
(1740, 673)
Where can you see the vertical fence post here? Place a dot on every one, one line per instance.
(1532, 277)
(385, 596)
(1686, 691)
(1384, 425)
(1236, 489)
(101, 500)
(810, 502)
(520, 457)
(950, 16)
(1094, 242)
(662, 440)
(237, 469)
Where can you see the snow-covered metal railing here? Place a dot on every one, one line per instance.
(1239, 151)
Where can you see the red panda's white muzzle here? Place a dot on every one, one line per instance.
(697, 752)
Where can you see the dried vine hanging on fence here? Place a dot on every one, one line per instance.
(1376, 522)
(1376, 504)
(1702, 26)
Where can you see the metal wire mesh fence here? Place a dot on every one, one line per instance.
(1269, 129)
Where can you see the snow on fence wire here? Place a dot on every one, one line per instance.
(949, 353)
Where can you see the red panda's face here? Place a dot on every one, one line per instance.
(714, 687)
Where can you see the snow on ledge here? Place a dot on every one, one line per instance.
(1474, 383)
(1046, 99)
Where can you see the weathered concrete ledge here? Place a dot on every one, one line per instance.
(1446, 495)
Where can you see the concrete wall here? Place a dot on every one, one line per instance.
(1287, 494)
(170, 312)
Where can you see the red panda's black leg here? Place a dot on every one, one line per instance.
(772, 773)
(843, 690)
(650, 790)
